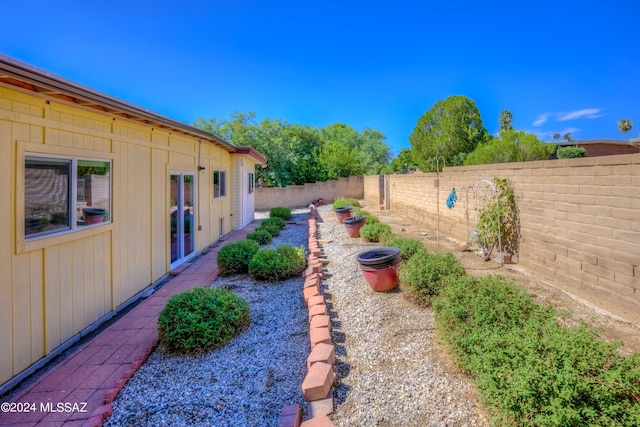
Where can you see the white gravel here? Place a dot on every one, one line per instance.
(245, 383)
(388, 370)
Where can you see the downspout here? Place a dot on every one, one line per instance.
(200, 169)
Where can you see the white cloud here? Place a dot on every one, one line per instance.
(541, 119)
(586, 113)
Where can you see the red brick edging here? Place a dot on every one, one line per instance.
(317, 384)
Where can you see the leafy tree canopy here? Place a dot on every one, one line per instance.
(297, 154)
(511, 146)
(451, 127)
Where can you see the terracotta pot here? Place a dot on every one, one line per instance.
(343, 213)
(380, 267)
(354, 224)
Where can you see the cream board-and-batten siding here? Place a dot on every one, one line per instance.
(54, 287)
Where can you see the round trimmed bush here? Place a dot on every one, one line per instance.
(280, 212)
(341, 202)
(271, 228)
(202, 319)
(374, 232)
(277, 264)
(260, 235)
(234, 258)
(422, 275)
(281, 223)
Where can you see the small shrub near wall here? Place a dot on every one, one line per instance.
(234, 258)
(280, 212)
(375, 232)
(273, 265)
(341, 202)
(570, 152)
(422, 275)
(202, 319)
(263, 237)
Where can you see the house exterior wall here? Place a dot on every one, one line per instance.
(579, 219)
(53, 288)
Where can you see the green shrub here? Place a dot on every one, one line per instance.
(202, 319)
(422, 275)
(371, 218)
(281, 223)
(260, 235)
(277, 264)
(233, 258)
(529, 370)
(570, 152)
(341, 202)
(408, 247)
(273, 229)
(373, 232)
(280, 212)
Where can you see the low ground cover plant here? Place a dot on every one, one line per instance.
(202, 319)
(341, 202)
(374, 232)
(530, 371)
(272, 265)
(408, 246)
(280, 212)
(233, 258)
(421, 277)
(370, 218)
(260, 235)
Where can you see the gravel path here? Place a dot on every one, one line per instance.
(387, 366)
(388, 370)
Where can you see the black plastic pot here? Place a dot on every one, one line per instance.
(354, 220)
(343, 209)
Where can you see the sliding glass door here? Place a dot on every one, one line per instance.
(181, 221)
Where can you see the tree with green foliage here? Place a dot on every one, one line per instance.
(452, 126)
(511, 146)
(505, 120)
(403, 162)
(625, 126)
(298, 154)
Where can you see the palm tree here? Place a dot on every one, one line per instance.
(505, 120)
(625, 126)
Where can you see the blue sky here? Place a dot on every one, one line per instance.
(561, 66)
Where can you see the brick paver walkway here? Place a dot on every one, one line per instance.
(79, 390)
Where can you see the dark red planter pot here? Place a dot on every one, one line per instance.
(354, 224)
(343, 213)
(380, 268)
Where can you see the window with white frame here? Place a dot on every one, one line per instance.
(219, 184)
(65, 194)
(251, 182)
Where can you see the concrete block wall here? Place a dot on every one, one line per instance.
(374, 189)
(579, 218)
(301, 195)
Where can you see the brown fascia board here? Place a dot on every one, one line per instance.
(35, 79)
(250, 151)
